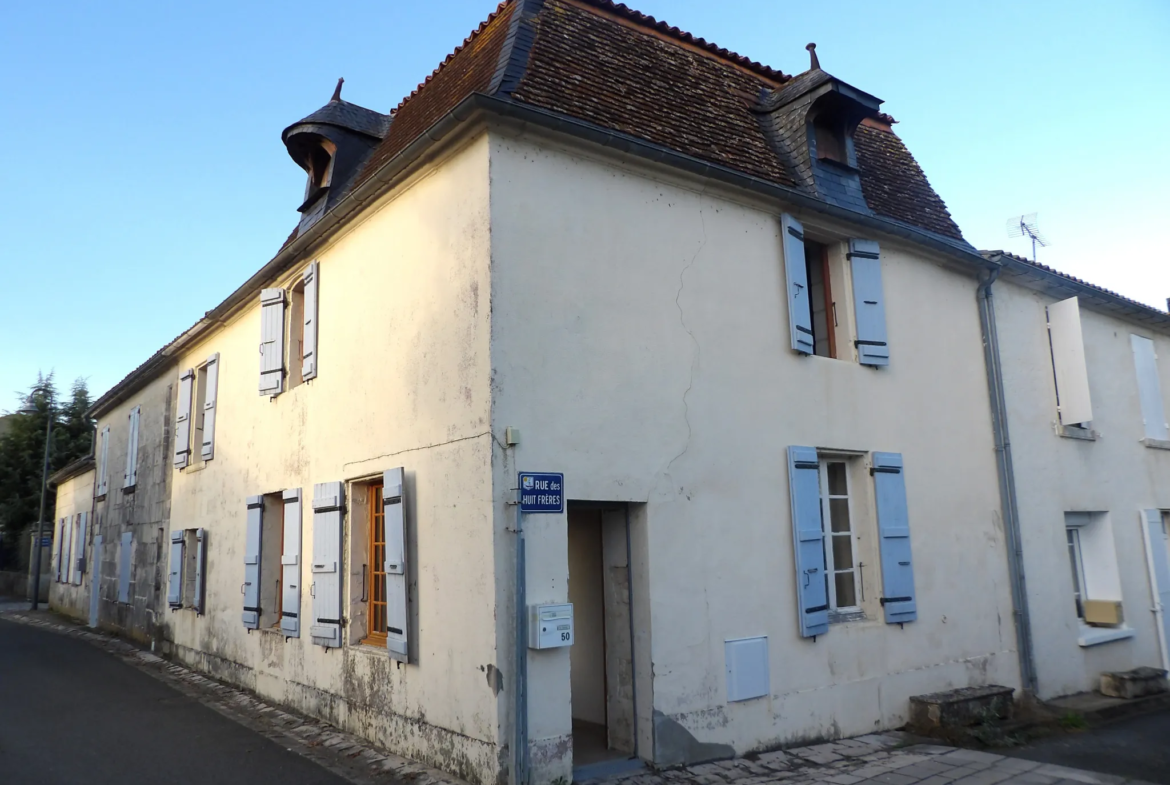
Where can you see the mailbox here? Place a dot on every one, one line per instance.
(550, 626)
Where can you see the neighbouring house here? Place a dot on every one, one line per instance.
(724, 301)
(1086, 374)
(69, 559)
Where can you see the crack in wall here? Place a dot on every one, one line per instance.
(423, 447)
(696, 355)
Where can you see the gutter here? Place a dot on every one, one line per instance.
(1005, 469)
(384, 177)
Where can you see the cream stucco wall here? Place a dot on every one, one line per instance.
(1114, 474)
(640, 344)
(74, 496)
(404, 380)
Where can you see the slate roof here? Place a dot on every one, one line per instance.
(347, 115)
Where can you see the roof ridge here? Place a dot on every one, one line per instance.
(1072, 278)
(645, 20)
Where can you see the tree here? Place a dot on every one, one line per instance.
(22, 451)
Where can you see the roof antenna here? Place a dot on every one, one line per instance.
(812, 53)
(1027, 226)
(337, 91)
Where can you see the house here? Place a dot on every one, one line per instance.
(724, 302)
(68, 560)
(1085, 374)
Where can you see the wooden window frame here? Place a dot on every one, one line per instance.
(375, 557)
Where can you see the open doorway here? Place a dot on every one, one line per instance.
(601, 658)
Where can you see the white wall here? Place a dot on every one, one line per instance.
(403, 381)
(74, 496)
(640, 343)
(1114, 474)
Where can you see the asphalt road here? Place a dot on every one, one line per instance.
(1138, 747)
(71, 713)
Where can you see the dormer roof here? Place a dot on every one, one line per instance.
(346, 116)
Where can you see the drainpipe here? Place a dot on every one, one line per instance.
(1007, 482)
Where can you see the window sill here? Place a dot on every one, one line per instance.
(128, 489)
(1156, 444)
(1095, 636)
(1083, 434)
(846, 616)
(194, 468)
(101, 497)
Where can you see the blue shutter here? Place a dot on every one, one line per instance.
(1158, 563)
(328, 505)
(252, 562)
(271, 341)
(799, 312)
(894, 529)
(200, 569)
(210, 394)
(869, 304)
(183, 419)
(82, 520)
(812, 592)
(175, 574)
(312, 278)
(395, 565)
(290, 560)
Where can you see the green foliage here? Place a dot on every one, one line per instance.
(22, 455)
(1072, 720)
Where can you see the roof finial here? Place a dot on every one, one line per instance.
(812, 53)
(341, 81)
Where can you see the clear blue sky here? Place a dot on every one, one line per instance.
(144, 178)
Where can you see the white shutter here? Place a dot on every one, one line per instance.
(103, 470)
(312, 279)
(79, 552)
(397, 577)
(175, 578)
(207, 449)
(271, 341)
(252, 545)
(183, 419)
(200, 570)
(130, 478)
(1068, 362)
(328, 504)
(1149, 389)
(1158, 563)
(290, 561)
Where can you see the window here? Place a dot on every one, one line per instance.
(130, 478)
(296, 334)
(829, 136)
(376, 610)
(1075, 560)
(188, 568)
(820, 297)
(840, 564)
(1096, 583)
(198, 414)
(102, 485)
(271, 548)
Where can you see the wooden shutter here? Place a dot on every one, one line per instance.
(869, 304)
(395, 566)
(125, 559)
(812, 591)
(175, 578)
(1158, 563)
(894, 530)
(207, 449)
(290, 561)
(312, 279)
(252, 545)
(328, 503)
(1149, 388)
(130, 478)
(799, 310)
(271, 341)
(1068, 362)
(79, 553)
(103, 484)
(200, 570)
(183, 419)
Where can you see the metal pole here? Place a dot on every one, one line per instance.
(41, 518)
(521, 720)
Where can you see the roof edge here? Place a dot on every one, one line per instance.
(71, 470)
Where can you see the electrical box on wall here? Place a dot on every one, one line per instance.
(550, 626)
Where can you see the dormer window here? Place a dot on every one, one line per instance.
(829, 136)
(319, 165)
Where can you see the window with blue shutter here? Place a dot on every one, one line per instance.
(83, 525)
(328, 505)
(130, 478)
(252, 540)
(1157, 537)
(103, 485)
(395, 566)
(183, 419)
(290, 561)
(808, 541)
(271, 341)
(175, 575)
(210, 393)
(200, 570)
(898, 598)
(869, 304)
(795, 271)
(311, 279)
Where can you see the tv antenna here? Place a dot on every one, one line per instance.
(1027, 226)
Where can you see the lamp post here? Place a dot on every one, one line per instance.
(36, 594)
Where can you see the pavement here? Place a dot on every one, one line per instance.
(72, 713)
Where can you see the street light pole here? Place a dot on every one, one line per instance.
(41, 518)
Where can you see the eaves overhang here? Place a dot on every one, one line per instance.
(71, 470)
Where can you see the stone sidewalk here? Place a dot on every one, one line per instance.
(881, 759)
